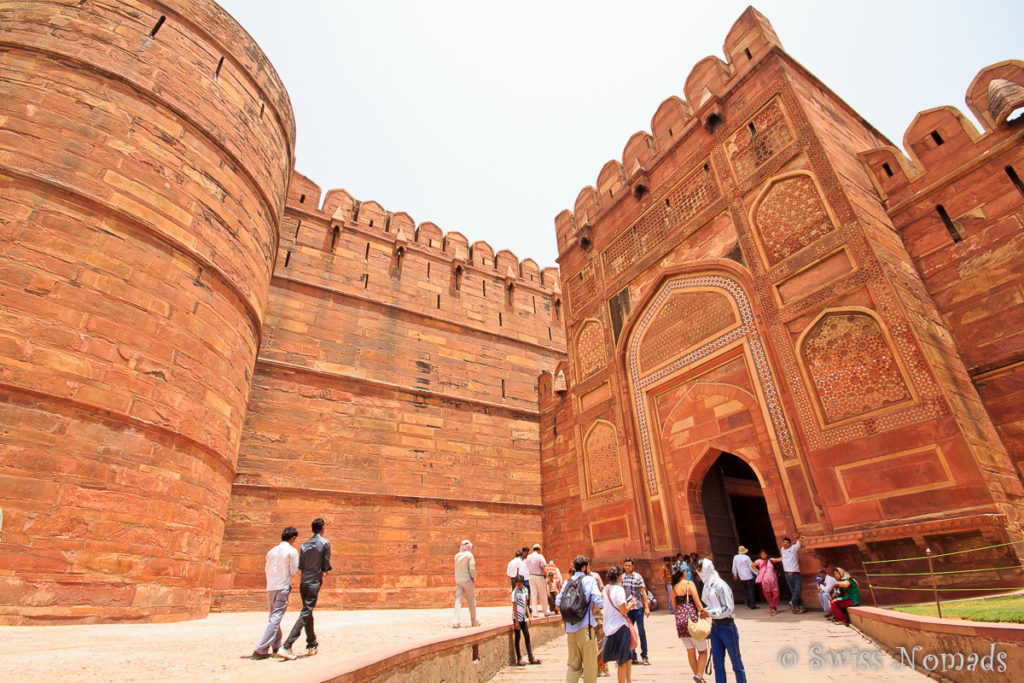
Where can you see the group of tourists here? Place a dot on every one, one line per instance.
(701, 601)
(535, 583)
(761, 573)
(283, 562)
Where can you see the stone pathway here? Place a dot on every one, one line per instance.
(789, 647)
(215, 648)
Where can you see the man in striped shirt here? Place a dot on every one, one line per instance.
(635, 587)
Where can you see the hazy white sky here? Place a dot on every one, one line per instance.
(488, 118)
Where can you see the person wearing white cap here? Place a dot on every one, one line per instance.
(743, 570)
(465, 583)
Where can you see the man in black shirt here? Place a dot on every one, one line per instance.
(314, 562)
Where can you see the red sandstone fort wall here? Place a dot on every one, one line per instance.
(972, 265)
(560, 473)
(394, 396)
(144, 154)
(721, 282)
(198, 349)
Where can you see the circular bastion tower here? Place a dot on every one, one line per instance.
(145, 148)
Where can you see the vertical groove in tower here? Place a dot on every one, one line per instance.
(145, 149)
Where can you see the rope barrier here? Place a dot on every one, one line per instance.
(955, 552)
(943, 590)
(954, 571)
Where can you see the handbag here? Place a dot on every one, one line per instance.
(699, 629)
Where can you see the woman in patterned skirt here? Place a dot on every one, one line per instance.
(687, 607)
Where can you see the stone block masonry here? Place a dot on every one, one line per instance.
(144, 156)
(395, 396)
(776, 323)
(151, 279)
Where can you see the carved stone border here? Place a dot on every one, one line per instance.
(747, 329)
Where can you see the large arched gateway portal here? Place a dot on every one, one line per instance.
(703, 393)
(735, 512)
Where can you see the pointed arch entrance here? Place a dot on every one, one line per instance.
(701, 384)
(735, 511)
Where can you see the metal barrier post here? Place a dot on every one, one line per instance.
(935, 585)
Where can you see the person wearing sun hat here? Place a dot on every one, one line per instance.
(743, 570)
(535, 564)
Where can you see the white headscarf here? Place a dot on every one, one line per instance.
(707, 572)
(466, 545)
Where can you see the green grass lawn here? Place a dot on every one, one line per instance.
(1008, 609)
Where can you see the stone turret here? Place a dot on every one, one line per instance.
(146, 149)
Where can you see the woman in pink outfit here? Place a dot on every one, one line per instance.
(768, 581)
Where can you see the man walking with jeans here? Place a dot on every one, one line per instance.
(725, 637)
(791, 565)
(314, 562)
(635, 587)
(582, 635)
(282, 563)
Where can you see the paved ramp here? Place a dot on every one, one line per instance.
(790, 648)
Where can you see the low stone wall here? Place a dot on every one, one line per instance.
(471, 658)
(946, 649)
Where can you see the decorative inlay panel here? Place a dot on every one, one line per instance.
(911, 471)
(581, 288)
(685, 319)
(747, 329)
(590, 350)
(696, 191)
(852, 368)
(601, 450)
(759, 140)
(790, 216)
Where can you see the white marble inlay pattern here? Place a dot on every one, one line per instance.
(747, 329)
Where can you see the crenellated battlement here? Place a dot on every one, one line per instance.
(341, 210)
(942, 140)
(365, 250)
(675, 121)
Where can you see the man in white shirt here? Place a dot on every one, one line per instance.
(465, 583)
(512, 570)
(535, 563)
(725, 637)
(791, 566)
(743, 570)
(282, 564)
(826, 584)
